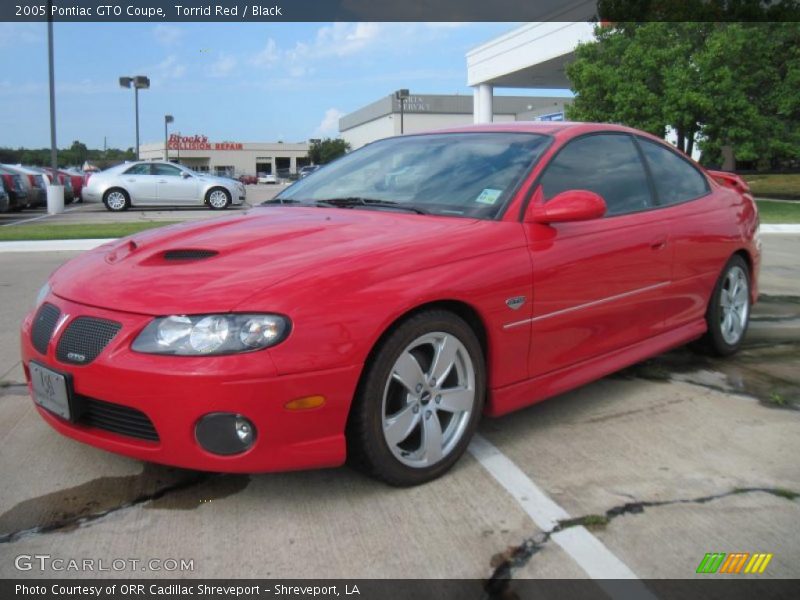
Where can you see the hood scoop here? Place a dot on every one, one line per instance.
(188, 254)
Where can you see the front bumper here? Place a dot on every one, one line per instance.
(175, 392)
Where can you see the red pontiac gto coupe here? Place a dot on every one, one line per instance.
(375, 309)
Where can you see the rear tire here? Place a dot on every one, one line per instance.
(728, 312)
(419, 400)
(117, 200)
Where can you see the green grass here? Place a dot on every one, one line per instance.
(778, 212)
(76, 231)
(775, 186)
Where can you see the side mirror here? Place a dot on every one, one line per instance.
(185, 175)
(571, 205)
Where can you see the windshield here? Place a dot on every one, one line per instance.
(459, 174)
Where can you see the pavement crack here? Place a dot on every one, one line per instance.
(515, 557)
(12, 388)
(158, 487)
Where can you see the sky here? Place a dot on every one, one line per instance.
(241, 82)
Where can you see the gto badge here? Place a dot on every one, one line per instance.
(75, 357)
(516, 302)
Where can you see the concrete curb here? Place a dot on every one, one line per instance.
(793, 228)
(79, 245)
(51, 245)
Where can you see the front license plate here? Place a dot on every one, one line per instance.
(50, 390)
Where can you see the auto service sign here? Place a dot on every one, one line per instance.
(199, 142)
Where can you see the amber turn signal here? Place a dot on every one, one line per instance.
(305, 403)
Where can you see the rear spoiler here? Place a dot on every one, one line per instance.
(731, 180)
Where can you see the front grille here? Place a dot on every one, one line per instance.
(189, 254)
(43, 325)
(116, 418)
(84, 339)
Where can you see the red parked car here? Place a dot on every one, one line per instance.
(378, 307)
(78, 179)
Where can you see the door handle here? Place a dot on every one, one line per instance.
(658, 244)
(162, 181)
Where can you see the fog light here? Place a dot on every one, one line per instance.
(225, 433)
(244, 430)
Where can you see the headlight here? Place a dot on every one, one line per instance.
(43, 293)
(203, 335)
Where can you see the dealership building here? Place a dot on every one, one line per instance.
(229, 158)
(425, 112)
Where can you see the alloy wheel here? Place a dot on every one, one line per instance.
(734, 301)
(218, 199)
(428, 399)
(116, 200)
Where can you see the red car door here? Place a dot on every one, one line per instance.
(597, 284)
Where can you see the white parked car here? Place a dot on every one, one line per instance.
(158, 183)
(267, 178)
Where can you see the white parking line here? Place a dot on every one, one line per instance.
(585, 549)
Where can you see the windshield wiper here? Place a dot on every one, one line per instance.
(353, 201)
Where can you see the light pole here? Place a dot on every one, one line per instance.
(55, 193)
(138, 82)
(401, 95)
(167, 120)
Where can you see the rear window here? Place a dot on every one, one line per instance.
(675, 178)
(141, 169)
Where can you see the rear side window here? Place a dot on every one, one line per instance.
(675, 178)
(607, 164)
(167, 170)
(140, 169)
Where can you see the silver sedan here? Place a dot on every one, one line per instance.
(154, 183)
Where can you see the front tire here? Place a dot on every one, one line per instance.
(728, 313)
(117, 200)
(218, 199)
(419, 400)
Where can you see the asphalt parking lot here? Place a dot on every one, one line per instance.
(95, 212)
(643, 473)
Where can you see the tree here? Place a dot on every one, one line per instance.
(715, 84)
(75, 155)
(324, 151)
(79, 152)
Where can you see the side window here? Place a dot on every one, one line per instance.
(606, 164)
(166, 170)
(140, 169)
(676, 179)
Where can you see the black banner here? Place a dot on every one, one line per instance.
(403, 10)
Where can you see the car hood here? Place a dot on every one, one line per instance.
(256, 250)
